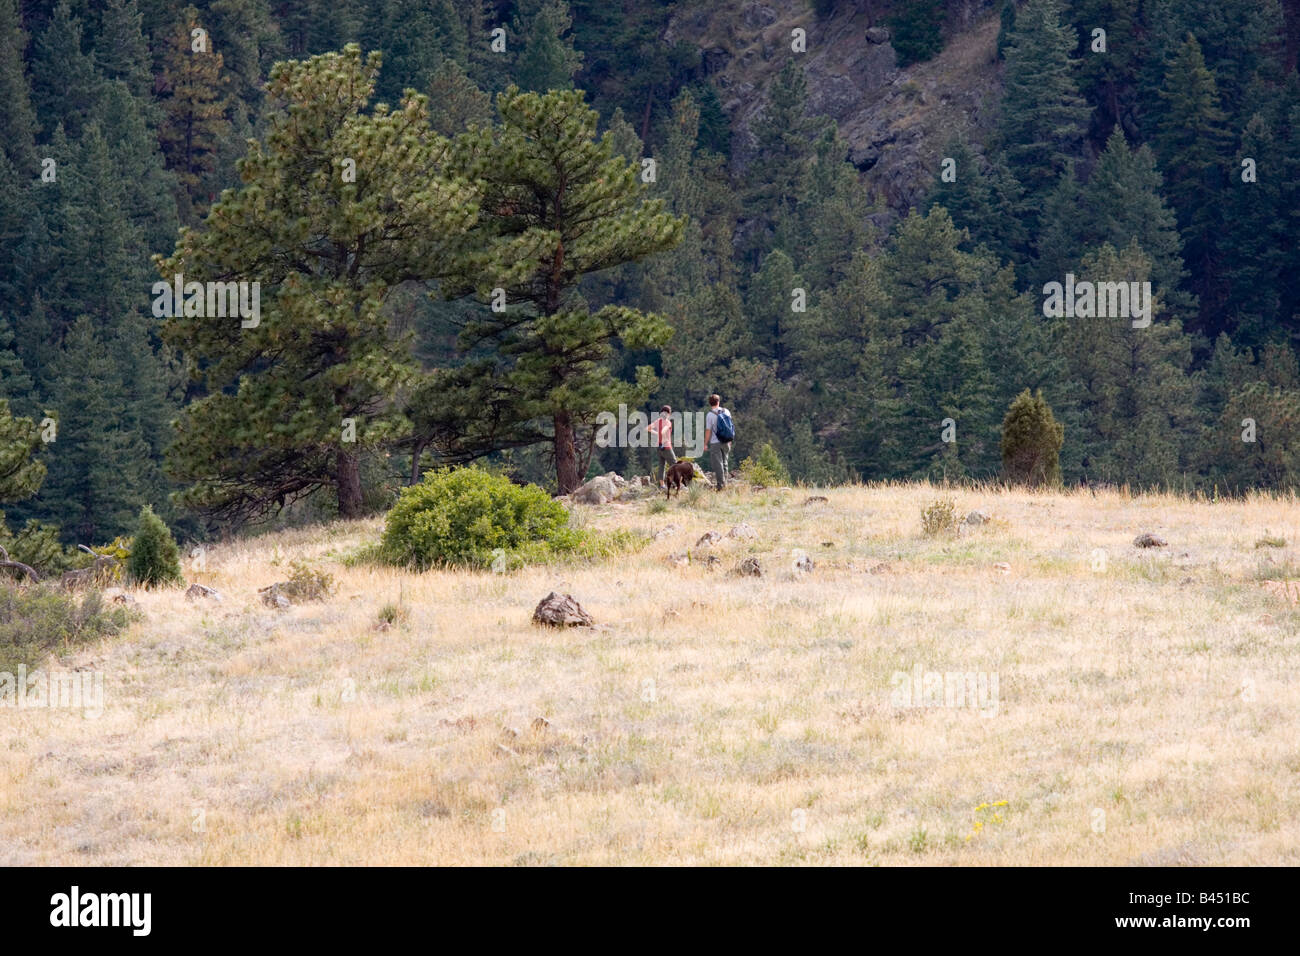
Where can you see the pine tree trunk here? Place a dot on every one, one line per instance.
(566, 455)
(348, 478)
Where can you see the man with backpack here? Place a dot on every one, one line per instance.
(719, 430)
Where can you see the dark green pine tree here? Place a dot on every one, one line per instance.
(17, 120)
(1255, 245)
(15, 383)
(95, 482)
(1006, 26)
(1123, 196)
(558, 205)
(784, 149)
(416, 36)
(21, 473)
(1194, 149)
(917, 30)
(121, 50)
(327, 247)
(769, 300)
(455, 102)
(547, 59)
(1108, 80)
(66, 87)
(981, 198)
(1043, 117)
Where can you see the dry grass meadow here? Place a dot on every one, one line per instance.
(1148, 710)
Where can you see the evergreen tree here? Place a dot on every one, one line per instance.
(194, 108)
(1031, 442)
(17, 121)
(982, 199)
(455, 103)
(547, 60)
(327, 249)
(20, 474)
(916, 29)
(155, 559)
(65, 85)
(558, 205)
(1193, 145)
(1043, 117)
(121, 50)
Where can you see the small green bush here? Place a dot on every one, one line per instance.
(1031, 442)
(307, 583)
(765, 468)
(155, 559)
(462, 516)
(36, 620)
(939, 517)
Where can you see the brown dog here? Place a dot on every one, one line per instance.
(682, 473)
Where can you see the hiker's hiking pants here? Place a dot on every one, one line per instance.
(718, 452)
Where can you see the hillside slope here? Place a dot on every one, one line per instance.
(1135, 706)
(895, 121)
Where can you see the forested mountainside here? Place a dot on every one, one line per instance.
(869, 203)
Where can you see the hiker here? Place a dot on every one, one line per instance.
(661, 437)
(719, 430)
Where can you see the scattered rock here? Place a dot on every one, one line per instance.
(644, 481)
(878, 569)
(667, 531)
(198, 592)
(711, 562)
(384, 626)
(504, 751)
(509, 733)
(1002, 567)
(272, 596)
(1150, 541)
(708, 539)
(978, 518)
(540, 725)
(600, 490)
(815, 500)
(877, 35)
(121, 597)
(749, 568)
(561, 610)
(679, 558)
(742, 531)
(802, 562)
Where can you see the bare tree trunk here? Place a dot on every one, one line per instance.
(566, 455)
(348, 479)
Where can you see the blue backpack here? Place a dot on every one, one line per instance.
(724, 428)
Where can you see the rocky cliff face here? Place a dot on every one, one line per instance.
(894, 120)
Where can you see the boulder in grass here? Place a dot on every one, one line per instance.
(600, 490)
(667, 531)
(561, 610)
(1150, 541)
(708, 539)
(816, 500)
(273, 596)
(978, 517)
(749, 568)
(200, 592)
(742, 532)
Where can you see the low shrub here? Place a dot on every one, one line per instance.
(939, 517)
(467, 517)
(764, 468)
(37, 620)
(307, 582)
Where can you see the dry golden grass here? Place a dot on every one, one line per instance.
(707, 718)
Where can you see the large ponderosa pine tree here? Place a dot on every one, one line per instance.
(558, 205)
(327, 247)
